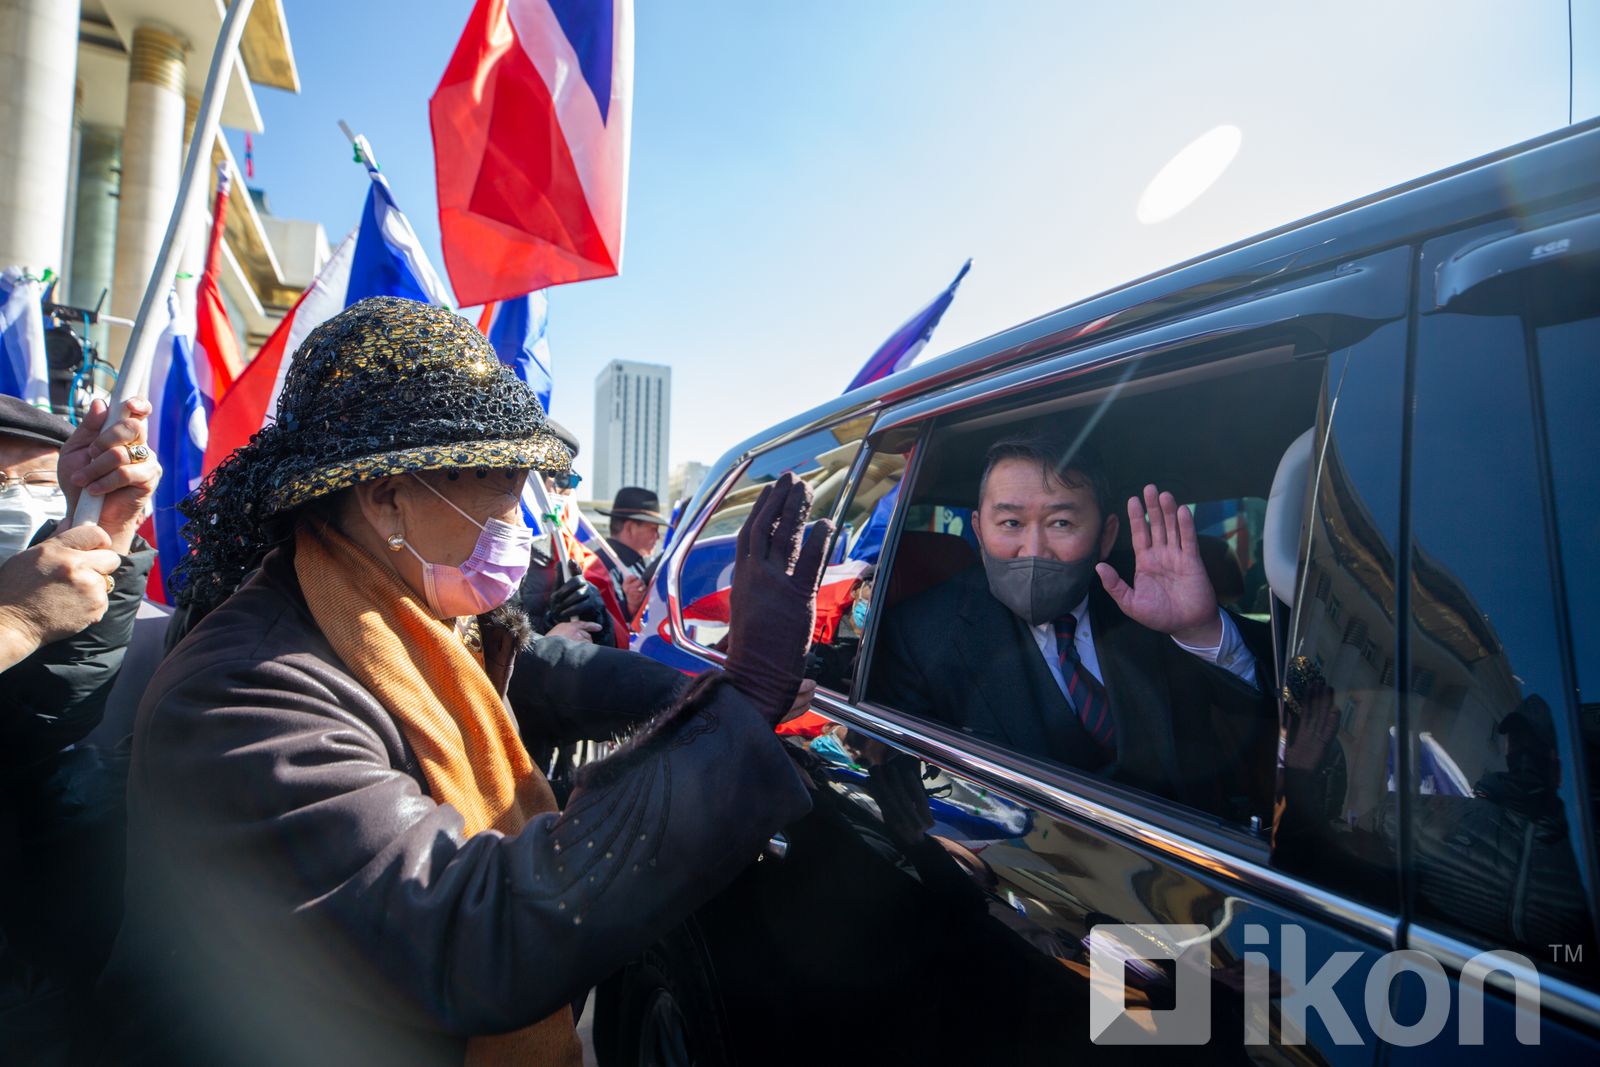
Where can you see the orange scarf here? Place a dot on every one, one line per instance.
(452, 717)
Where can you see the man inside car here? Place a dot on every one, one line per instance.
(1046, 650)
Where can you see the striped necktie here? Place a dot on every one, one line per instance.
(1084, 691)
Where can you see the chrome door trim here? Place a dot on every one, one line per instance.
(1570, 1000)
(735, 471)
(1022, 789)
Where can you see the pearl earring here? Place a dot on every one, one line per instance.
(396, 542)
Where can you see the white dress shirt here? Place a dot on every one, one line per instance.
(1230, 652)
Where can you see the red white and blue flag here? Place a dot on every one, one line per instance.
(380, 257)
(213, 335)
(183, 393)
(902, 347)
(530, 136)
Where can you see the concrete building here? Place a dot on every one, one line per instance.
(94, 125)
(684, 480)
(632, 425)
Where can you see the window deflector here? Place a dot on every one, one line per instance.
(1497, 276)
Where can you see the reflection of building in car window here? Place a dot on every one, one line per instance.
(1491, 844)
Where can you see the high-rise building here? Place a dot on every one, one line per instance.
(632, 419)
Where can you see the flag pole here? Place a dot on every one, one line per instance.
(359, 142)
(140, 352)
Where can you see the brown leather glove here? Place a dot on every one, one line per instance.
(773, 603)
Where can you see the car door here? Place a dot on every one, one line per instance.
(1502, 709)
(1061, 854)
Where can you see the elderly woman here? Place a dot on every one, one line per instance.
(339, 851)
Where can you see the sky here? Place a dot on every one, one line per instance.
(807, 175)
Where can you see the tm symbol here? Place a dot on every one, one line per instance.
(1565, 953)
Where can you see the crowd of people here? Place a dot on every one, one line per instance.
(330, 837)
(345, 825)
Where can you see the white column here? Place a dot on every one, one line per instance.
(39, 55)
(94, 231)
(152, 164)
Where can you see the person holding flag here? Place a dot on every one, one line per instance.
(68, 598)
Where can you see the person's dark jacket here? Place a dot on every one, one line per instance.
(1186, 729)
(61, 826)
(58, 694)
(294, 895)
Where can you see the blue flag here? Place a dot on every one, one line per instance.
(902, 347)
(517, 332)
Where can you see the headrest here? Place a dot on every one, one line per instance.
(1286, 511)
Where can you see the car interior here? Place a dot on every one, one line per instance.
(1231, 438)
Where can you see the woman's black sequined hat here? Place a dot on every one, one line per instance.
(387, 386)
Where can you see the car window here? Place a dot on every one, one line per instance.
(959, 643)
(845, 598)
(1504, 523)
(823, 458)
(1336, 771)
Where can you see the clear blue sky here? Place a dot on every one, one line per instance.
(806, 175)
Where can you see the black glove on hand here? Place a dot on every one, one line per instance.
(577, 599)
(773, 603)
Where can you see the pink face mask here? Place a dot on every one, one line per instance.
(489, 576)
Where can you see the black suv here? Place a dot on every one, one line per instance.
(1386, 421)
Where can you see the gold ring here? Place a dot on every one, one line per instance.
(138, 453)
(111, 584)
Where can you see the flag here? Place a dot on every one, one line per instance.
(380, 257)
(182, 393)
(530, 138)
(902, 347)
(214, 337)
(24, 366)
(516, 329)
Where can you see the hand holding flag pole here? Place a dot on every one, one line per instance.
(142, 343)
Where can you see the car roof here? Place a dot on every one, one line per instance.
(1539, 172)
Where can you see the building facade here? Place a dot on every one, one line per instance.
(685, 480)
(632, 426)
(102, 101)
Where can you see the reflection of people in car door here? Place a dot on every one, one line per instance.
(1150, 683)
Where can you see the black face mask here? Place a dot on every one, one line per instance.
(1039, 589)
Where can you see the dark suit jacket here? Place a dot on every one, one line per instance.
(1186, 729)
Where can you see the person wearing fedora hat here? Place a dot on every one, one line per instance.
(339, 849)
(636, 525)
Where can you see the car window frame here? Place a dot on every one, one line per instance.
(713, 500)
(1119, 807)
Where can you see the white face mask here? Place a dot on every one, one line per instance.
(22, 513)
